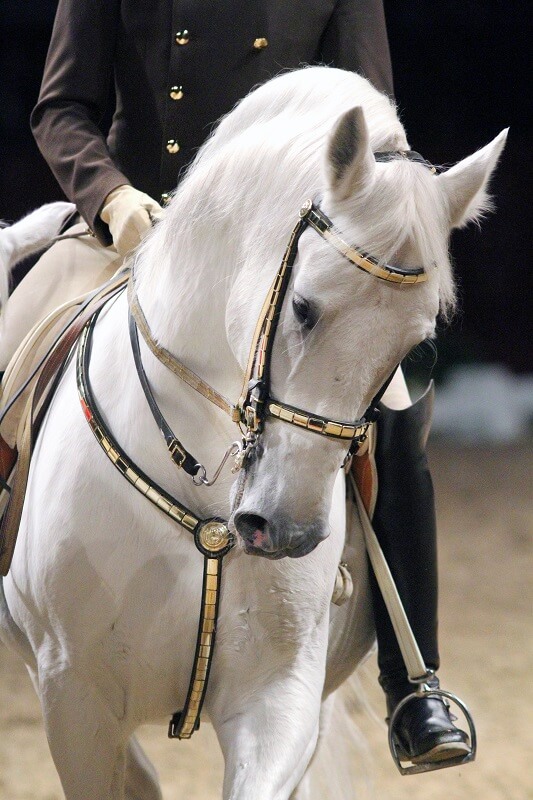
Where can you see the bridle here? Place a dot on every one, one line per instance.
(256, 402)
(255, 405)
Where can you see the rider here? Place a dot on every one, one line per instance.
(177, 67)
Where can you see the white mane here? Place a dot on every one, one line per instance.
(272, 145)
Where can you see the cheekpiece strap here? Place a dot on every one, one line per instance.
(256, 376)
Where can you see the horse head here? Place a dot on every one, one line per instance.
(343, 325)
(341, 331)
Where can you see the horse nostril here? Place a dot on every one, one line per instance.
(253, 529)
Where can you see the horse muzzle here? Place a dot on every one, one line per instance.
(275, 540)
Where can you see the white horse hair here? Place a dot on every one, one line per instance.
(103, 595)
(28, 236)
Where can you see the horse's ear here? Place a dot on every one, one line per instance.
(466, 183)
(350, 163)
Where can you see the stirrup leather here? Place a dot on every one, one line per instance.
(416, 669)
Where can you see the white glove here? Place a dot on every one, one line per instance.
(129, 215)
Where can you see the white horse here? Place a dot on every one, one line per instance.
(103, 596)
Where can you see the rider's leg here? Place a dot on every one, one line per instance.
(404, 521)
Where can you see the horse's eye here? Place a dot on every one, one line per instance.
(303, 311)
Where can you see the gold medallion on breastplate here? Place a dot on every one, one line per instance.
(214, 536)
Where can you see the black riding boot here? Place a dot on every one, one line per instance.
(404, 521)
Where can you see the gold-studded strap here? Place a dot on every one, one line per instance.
(211, 537)
(265, 328)
(327, 427)
(385, 272)
(133, 474)
(185, 722)
(174, 365)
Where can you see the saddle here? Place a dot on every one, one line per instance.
(30, 381)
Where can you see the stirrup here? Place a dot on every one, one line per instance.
(424, 690)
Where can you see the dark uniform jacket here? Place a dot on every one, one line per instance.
(178, 65)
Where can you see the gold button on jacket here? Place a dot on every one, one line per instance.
(182, 37)
(173, 146)
(260, 43)
(176, 92)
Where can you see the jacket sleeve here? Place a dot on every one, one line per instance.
(356, 39)
(75, 89)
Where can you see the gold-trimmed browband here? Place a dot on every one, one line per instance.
(385, 272)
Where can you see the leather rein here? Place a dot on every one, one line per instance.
(212, 536)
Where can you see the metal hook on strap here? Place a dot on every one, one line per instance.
(201, 479)
(398, 755)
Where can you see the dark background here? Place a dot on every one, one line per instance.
(462, 73)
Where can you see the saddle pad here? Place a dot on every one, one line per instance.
(39, 394)
(30, 352)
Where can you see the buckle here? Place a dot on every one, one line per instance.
(425, 691)
(305, 209)
(251, 418)
(175, 726)
(177, 453)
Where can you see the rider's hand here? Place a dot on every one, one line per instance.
(129, 215)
